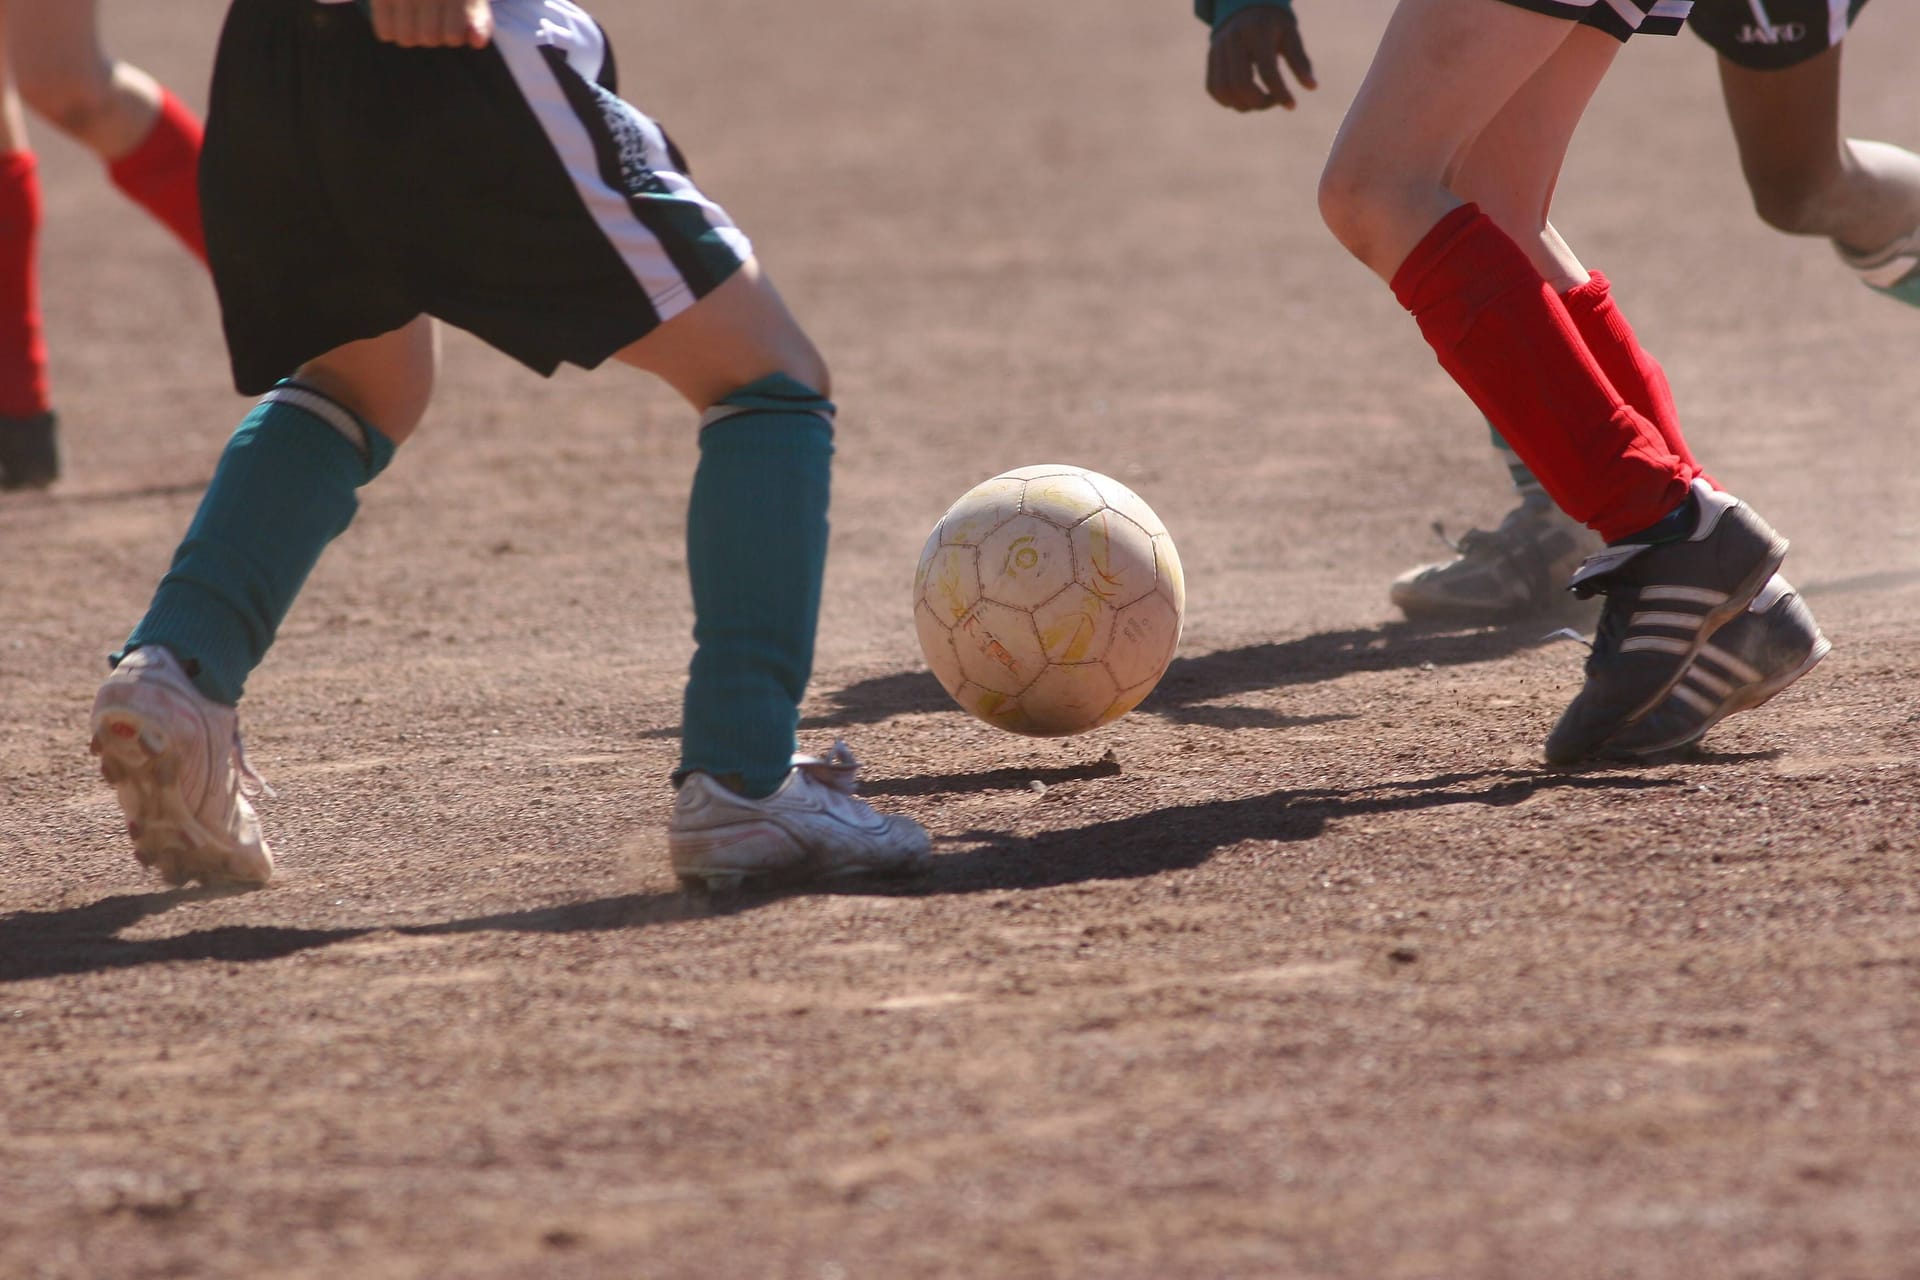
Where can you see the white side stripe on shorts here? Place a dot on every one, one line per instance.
(522, 29)
(1837, 11)
(1634, 14)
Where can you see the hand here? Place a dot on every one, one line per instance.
(1243, 62)
(434, 24)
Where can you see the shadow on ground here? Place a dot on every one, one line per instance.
(1191, 684)
(46, 944)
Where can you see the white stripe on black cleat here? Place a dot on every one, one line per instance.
(1770, 645)
(1664, 602)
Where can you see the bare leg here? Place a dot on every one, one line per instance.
(13, 126)
(1511, 169)
(740, 332)
(1448, 72)
(1479, 99)
(68, 79)
(1807, 178)
(386, 380)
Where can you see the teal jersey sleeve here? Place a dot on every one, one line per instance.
(1215, 12)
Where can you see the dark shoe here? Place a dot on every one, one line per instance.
(29, 451)
(1664, 602)
(1769, 646)
(1516, 570)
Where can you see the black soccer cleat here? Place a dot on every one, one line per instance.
(1664, 602)
(1771, 644)
(29, 451)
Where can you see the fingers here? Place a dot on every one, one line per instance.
(433, 24)
(480, 24)
(1244, 60)
(1230, 78)
(1266, 60)
(1232, 65)
(386, 19)
(1294, 50)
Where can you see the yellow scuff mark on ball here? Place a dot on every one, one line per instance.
(1068, 638)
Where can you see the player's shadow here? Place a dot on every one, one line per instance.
(50, 944)
(1861, 583)
(47, 944)
(1191, 687)
(1181, 837)
(44, 944)
(127, 493)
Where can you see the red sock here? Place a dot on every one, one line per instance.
(1636, 375)
(23, 351)
(1507, 339)
(162, 174)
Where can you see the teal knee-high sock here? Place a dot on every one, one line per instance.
(1525, 483)
(284, 489)
(756, 554)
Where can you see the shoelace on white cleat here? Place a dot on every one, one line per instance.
(836, 769)
(251, 783)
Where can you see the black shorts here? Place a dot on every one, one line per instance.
(1618, 18)
(1772, 35)
(349, 186)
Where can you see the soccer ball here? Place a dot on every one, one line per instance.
(1048, 600)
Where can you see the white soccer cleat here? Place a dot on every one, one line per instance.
(813, 827)
(174, 758)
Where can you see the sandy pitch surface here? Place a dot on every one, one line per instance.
(1308, 968)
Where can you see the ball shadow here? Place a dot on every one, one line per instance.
(1192, 683)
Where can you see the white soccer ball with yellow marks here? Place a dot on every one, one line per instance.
(1049, 600)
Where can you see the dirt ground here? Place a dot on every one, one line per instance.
(1307, 968)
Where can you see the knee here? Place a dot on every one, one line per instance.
(387, 381)
(78, 104)
(1351, 205)
(394, 407)
(815, 375)
(1793, 203)
(773, 392)
(795, 355)
(1374, 207)
(395, 413)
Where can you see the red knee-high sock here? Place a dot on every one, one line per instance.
(1635, 374)
(1507, 339)
(162, 174)
(23, 351)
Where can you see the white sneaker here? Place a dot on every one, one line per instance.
(812, 827)
(1516, 570)
(174, 758)
(1892, 269)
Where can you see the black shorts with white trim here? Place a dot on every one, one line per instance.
(1772, 35)
(349, 185)
(1618, 18)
